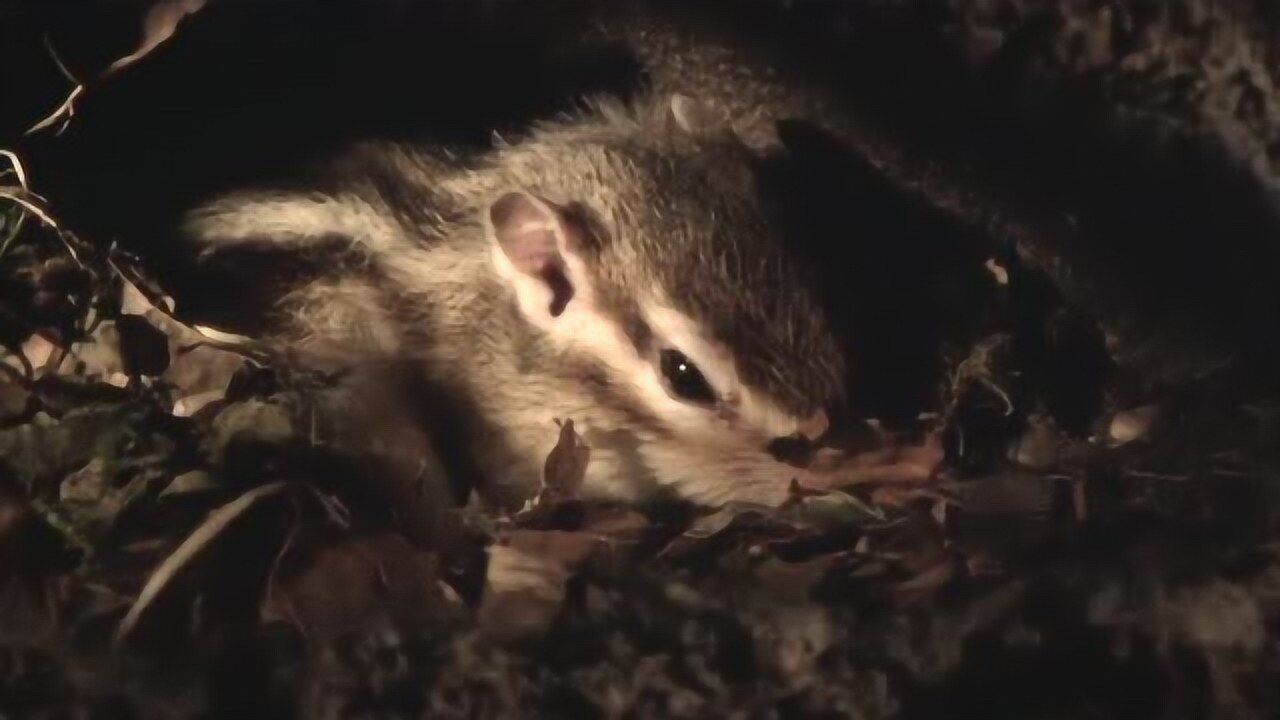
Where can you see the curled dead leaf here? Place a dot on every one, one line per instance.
(998, 272)
(566, 465)
(713, 524)
(190, 483)
(1131, 425)
(198, 540)
(926, 583)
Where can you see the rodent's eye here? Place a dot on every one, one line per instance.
(684, 379)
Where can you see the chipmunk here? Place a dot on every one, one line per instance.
(613, 268)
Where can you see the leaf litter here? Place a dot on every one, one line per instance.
(145, 451)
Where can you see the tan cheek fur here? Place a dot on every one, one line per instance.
(708, 458)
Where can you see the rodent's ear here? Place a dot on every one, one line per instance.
(538, 240)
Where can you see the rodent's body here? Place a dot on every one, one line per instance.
(614, 268)
(668, 251)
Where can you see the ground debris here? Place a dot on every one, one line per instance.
(193, 524)
(179, 493)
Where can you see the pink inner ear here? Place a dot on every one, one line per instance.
(528, 233)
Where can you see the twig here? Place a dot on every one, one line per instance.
(159, 24)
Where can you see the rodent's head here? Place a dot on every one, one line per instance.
(644, 252)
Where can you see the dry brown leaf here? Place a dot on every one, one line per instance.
(714, 523)
(566, 465)
(344, 583)
(615, 524)
(1130, 425)
(88, 484)
(526, 578)
(925, 583)
(203, 361)
(190, 483)
(144, 350)
(998, 272)
(567, 548)
(192, 404)
(206, 533)
(158, 25)
(734, 524)
(894, 463)
(99, 356)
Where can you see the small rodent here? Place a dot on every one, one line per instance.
(613, 268)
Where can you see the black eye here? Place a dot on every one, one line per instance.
(684, 379)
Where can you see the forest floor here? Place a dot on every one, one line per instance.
(175, 539)
(178, 540)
